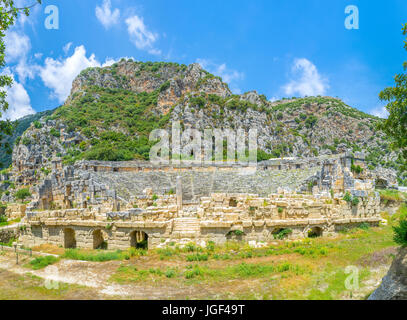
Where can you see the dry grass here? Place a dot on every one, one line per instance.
(49, 248)
(312, 269)
(309, 269)
(30, 287)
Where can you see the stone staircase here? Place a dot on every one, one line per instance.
(186, 227)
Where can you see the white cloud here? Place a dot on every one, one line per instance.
(109, 62)
(106, 16)
(59, 74)
(139, 34)
(67, 47)
(230, 76)
(380, 112)
(25, 70)
(307, 82)
(17, 46)
(18, 100)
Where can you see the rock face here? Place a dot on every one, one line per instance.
(131, 98)
(394, 284)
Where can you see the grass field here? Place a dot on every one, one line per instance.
(317, 268)
(309, 269)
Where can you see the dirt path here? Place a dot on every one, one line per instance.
(96, 275)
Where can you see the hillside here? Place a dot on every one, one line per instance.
(21, 125)
(111, 111)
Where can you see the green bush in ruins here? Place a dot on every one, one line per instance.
(22, 194)
(95, 117)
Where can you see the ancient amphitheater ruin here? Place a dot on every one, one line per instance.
(119, 205)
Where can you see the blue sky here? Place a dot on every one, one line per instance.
(279, 48)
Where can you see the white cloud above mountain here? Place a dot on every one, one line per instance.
(18, 100)
(106, 15)
(230, 76)
(58, 74)
(306, 80)
(380, 112)
(141, 36)
(17, 46)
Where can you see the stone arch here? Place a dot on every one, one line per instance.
(69, 238)
(381, 183)
(314, 232)
(98, 240)
(281, 233)
(233, 202)
(235, 235)
(139, 239)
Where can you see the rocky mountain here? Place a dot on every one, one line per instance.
(111, 111)
(394, 284)
(20, 125)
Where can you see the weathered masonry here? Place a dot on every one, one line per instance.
(78, 208)
(218, 218)
(117, 205)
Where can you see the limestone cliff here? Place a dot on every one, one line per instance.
(394, 284)
(111, 111)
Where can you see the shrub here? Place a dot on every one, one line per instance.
(400, 233)
(355, 201)
(311, 121)
(282, 233)
(9, 243)
(42, 262)
(170, 273)
(193, 272)
(37, 124)
(239, 233)
(198, 102)
(197, 257)
(26, 141)
(347, 197)
(55, 133)
(364, 226)
(101, 256)
(165, 86)
(356, 169)
(22, 194)
(210, 246)
(3, 221)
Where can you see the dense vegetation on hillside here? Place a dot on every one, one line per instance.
(115, 108)
(116, 122)
(20, 126)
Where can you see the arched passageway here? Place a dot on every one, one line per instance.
(98, 240)
(315, 232)
(139, 240)
(69, 238)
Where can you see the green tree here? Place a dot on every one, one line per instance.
(22, 194)
(395, 126)
(8, 15)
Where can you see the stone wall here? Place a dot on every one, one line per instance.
(7, 233)
(217, 218)
(89, 183)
